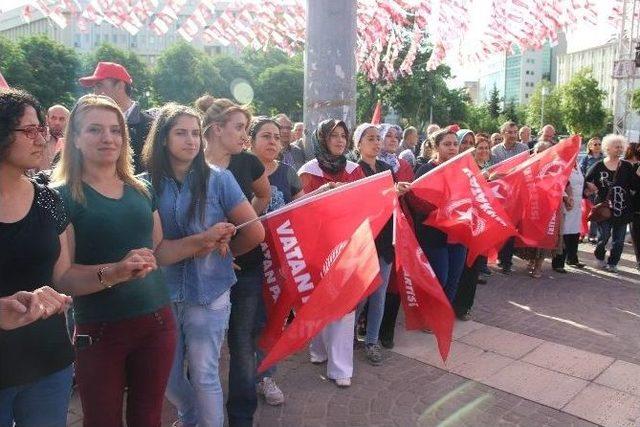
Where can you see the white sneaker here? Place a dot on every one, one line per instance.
(271, 392)
(316, 360)
(343, 382)
(612, 268)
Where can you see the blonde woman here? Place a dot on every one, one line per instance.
(125, 330)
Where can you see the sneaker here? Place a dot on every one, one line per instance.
(611, 268)
(271, 392)
(560, 270)
(464, 317)
(316, 360)
(482, 281)
(602, 264)
(486, 271)
(374, 357)
(343, 382)
(389, 343)
(507, 270)
(576, 264)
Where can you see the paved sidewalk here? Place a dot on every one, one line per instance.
(557, 351)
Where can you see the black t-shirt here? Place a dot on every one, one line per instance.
(246, 168)
(429, 237)
(620, 195)
(29, 249)
(384, 240)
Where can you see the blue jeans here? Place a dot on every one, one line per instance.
(201, 330)
(376, 300)
(246, 298)
(42, 403)
(617, 232)
(448, 263)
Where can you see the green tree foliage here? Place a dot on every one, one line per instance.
(478, 119)
(139, 71)
(635, 100)
(552, 112)
(493, 105)
(53, 68)
(581, 104)
(183, 73)
(279, 89)
(230, 69)
(14, 65)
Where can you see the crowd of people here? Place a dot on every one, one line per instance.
(131, 219)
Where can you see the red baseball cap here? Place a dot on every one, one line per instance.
(106, 70)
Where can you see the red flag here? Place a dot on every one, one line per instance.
(3, 83)
(306, 235)
(584, 225)
(377, 114)
(543, 179)
(466, 208)
(506, 165)
(423, 300)
(353, 274)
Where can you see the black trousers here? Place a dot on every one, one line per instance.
(467, 287)
(570, 252)
(635, 235)
(388, 326)
(505, 256)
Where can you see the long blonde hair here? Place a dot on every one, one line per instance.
(69, 169)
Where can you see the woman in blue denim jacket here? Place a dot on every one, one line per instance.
(195, 198)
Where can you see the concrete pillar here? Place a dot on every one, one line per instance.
(330, 65)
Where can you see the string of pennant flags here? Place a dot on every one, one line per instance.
(390, 32)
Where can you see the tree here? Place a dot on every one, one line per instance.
(256, 61)
(366, 98)
(280, 89)
(478, 119)
(581, 104)
(230, 69)
(514, 112)
(183, 74)
(493, 105)
(54, 69)
(14, 66)
(140, 73)
(552, 113)
(635, 100)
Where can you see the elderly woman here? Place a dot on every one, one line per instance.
(613, 179)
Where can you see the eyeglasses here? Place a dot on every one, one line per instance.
(32, 132)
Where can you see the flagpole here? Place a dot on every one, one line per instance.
(451, 160)
(315, 195)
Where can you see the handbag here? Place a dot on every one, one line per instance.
(602, 211)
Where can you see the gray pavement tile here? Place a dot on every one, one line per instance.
(621, 376)
(606, 406)
(569, 360)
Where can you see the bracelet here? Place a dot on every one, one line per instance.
(101, 278)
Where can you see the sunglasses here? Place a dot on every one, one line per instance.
(32, 132)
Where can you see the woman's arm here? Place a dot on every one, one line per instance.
(249, 236)
(261, 193)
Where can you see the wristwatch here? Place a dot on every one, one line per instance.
(101, 278)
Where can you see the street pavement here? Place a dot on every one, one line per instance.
(563, 350)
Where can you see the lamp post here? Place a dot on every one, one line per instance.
(544, 92)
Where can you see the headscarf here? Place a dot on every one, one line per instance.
(460, 134)
(360, 130)
(389, 158)
(328, 162)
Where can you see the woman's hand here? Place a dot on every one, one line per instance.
(135, 265)
(218, 237)
(590, 188)
(569, 203)
(23, 308)
(402, 188)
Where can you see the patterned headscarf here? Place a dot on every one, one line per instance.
(328, 162)
(389, 158)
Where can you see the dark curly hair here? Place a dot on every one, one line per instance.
(13, 103)
(257, 123)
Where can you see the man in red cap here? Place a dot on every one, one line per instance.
(114, 81)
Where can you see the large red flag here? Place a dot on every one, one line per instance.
(352, 275)
(305, 235)
(423, 300)
(377, 114)
(508, 164)
(3, 83)
(542, 179)
(466, 208)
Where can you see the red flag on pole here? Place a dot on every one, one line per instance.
(377, 114)
(352, 275)
(424, 302)
(306, 235)
(466, 208)
(3, 82)
(543, 179)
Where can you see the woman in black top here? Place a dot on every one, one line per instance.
(35, 359)
(613, 179)
(367, 140)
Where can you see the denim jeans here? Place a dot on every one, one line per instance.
(246, 297)
(201, 331)
(447, 262)
(617, 232)
(42, 403)
(375, 311)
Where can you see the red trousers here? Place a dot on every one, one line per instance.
(136, 353)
